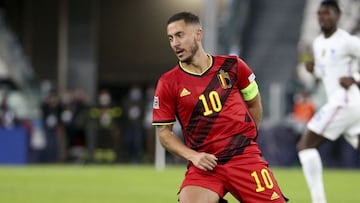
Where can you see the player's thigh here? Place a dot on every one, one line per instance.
(331, 121)
(310, 140)
(196, 194)
(253, 182)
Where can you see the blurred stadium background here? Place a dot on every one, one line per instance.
(77, 77)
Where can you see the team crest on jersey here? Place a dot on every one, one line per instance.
(323, 53)
(224, 79)
(156, 102)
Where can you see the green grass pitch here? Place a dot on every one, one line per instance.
(135, 184)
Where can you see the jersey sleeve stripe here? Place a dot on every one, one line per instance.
(158, 123)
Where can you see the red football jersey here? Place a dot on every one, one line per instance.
(209, 107)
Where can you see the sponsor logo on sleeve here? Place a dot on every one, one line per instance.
(156, 103)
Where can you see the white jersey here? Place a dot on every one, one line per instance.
(335, 57)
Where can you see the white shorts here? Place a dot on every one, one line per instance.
(333, 120)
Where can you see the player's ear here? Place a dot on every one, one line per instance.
(199, 34)
(338, 17)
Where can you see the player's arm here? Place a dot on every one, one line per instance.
(252, 98)
(256, 109)
(249, 91)
(173, 144)
(309, 66)
(353, 47)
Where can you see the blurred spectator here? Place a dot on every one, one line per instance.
(303, 107)
(67, 117)
(293, 85)
(299, 104)
(51, 114)
(106, 116)
(7, 115)
(303, 110)
(78, 140)
(134, 137)
(37, 141)
(149, 129)
(73, 116)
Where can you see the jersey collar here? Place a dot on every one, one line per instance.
(198, 74)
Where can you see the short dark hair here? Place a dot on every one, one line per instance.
(188, 17)
(331, 3)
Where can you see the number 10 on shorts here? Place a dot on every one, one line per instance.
(265, 176)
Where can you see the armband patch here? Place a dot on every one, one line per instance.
(156, 102)
(250, 91)
(251, 77)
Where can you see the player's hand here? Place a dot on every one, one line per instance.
(309, 65)
(204, 161)
(346, 82)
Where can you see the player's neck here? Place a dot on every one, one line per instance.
(200, 62)
(329, 33)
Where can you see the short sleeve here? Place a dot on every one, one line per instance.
(164, 103)
(246, 81)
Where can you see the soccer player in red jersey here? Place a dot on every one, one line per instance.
(217, 102)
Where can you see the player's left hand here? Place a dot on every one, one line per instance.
(346, 82)
(204, 161)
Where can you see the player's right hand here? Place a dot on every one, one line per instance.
(309, 65)
(204, 161)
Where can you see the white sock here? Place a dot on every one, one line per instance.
(312, 169)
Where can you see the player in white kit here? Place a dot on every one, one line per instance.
(336, 55)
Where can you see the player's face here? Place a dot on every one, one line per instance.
(328, 18)
(183, 40)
